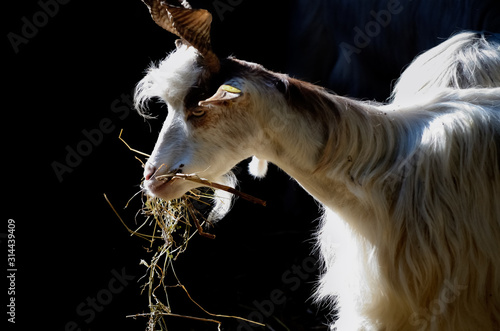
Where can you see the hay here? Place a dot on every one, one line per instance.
(173, 224)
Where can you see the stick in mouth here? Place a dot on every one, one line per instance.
(205, 182)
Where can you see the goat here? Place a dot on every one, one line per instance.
(410, 191)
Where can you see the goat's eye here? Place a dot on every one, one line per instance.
(198, 112)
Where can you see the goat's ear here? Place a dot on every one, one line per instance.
(224, 93)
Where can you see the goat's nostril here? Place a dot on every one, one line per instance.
(149, 171)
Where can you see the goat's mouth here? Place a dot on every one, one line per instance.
(158, 184)
(167, 186)
(166, 179)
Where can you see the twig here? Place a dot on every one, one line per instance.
(206, 182)
(175, 315)
(192, 211)
(143, 236)
(133, 150)
(200, 229)
(215, 315)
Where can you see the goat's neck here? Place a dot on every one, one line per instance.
(317, 149)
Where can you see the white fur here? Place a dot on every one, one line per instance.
(395, 258)
(170, 79)
(257, 167)
(411, 191)
(467, 59)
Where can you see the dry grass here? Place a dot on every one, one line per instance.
(169, 226)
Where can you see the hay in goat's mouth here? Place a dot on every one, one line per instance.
(205, 182)
(173, 224)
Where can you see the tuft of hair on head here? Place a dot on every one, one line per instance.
(257, 167)
(170, 80)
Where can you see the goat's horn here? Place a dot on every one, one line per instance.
(192, 25)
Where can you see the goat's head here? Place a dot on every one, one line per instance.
(209, 127)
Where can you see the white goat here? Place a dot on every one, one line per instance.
(410, 237)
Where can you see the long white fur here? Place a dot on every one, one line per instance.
(467, 59)
(411, 191)
(389, 265)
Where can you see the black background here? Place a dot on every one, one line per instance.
(78, 69)
(66, 79)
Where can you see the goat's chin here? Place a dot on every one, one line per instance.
(167, 190)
